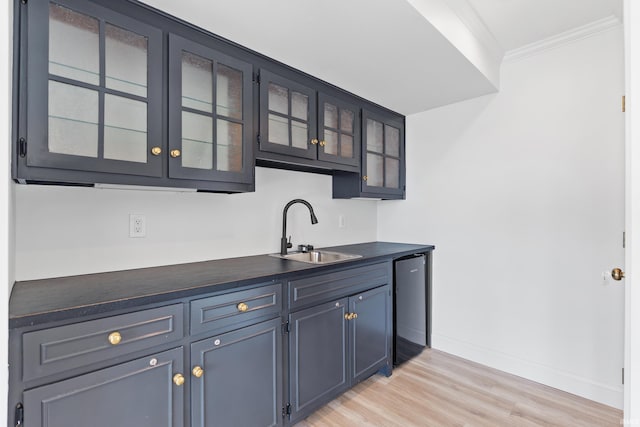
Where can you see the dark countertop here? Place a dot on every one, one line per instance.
(38, 301)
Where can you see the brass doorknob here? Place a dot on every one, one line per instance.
(197, 371)
(314, 141)
(178, 379)
(175, 153)
(242, 307)
(617, 274)
(156, 151)
(115, 338)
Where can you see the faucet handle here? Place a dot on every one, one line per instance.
(289, 244)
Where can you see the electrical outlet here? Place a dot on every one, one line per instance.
(137, 225)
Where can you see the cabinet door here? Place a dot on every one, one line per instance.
(371, 332)
(141, 393)
(287, 117)
(236, 378)
(383, 154)
(338, 131)
(318, 363)
(95, 90)
(210, 114)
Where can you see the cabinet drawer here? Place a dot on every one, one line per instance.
(222, 313)
(67, 347)
(320, 288)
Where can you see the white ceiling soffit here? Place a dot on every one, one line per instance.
(388, 51)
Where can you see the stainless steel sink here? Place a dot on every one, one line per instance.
(318, 257)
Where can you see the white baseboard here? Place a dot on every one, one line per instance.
(571, 383)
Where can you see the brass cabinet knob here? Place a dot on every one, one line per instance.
(314, 141)
(156, 151)
(197, 371)
(115, 338)
(323, 143)
(175, 153)
(355, 316)
(351, 316)
(347, 316)
(364, 178)
(617, 274)
(178, 379)
(242, 307)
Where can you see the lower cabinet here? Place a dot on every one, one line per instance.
(243, 360)
(145, 392)
(334, 345)
(236, 378)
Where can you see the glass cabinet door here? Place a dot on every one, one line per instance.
(339, 131)
(383, 156)
(94, 100)
(210, 115)
(287, 117)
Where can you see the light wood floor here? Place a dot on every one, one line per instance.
(437, 389)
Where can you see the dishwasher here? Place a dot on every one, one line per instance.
(411, 307)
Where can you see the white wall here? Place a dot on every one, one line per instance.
(65, 230)
(523, 195)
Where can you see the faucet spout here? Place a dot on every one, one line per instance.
(284, 243)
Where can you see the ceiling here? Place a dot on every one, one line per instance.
(407, 55)
(515, 23)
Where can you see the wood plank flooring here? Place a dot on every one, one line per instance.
(437, 389)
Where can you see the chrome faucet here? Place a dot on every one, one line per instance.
(284, 243)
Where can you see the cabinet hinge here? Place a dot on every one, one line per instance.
(258, 138)
(622, 375)
(624, 239)
(256, 78)
(286, 411)
(19, 418)
(22, 147)
(286, 328)
(624, 103)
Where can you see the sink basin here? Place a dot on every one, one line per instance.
(318, 257)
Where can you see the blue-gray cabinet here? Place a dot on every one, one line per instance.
(298, 121)
(146, 392)
(340, 332)
(382, 173)
(318, 359)
(210, 114)
(237, 378)
(94, 101)
(245, 356)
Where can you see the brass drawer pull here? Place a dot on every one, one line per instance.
(178, 379)
(115, 338)
(242, 307)
(197, 371)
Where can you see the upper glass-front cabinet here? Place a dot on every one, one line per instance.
(338, 131)
(383, 156)
(95, 90)
(210, 114)
(287, 117)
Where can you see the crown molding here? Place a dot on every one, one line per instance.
(468, 15)
(570, 36)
